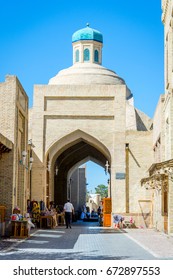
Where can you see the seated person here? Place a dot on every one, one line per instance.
(88, 215)
(92, 213)
(82, 216)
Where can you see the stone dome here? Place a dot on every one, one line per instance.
(87, 33)
(86, 74)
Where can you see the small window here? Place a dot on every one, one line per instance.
(96, 56)
(77, 55)
(86, 55)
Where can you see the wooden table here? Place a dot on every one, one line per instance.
(52, 219)
(20, 229)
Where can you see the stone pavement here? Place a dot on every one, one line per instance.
(88, 241)
(157, 243)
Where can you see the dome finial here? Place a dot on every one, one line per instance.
(87, 24)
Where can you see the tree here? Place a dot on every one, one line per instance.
(102, 190)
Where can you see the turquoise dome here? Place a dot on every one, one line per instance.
(87, 33)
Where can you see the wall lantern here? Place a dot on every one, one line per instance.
(56, 170)
(23, 160)
(107, 167)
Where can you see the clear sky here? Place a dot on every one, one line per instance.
(35, 43)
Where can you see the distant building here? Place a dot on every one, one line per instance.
(77, 187)
(160, 179)
(94, 201)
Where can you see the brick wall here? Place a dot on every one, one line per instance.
(13, 176)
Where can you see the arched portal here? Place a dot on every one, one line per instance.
(70, 157)
(78, 148)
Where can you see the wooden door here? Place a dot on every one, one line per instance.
(166, 224)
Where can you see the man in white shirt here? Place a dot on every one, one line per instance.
(68, 209)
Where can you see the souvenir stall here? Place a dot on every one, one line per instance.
(41, 216)
(48, 219)
(21, 225)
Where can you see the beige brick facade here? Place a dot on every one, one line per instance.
(14, 128)
(86, 112)
(160, 179)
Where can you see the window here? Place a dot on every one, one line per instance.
(157, 150)
(77, 56)
(86, 55)
(96, 56)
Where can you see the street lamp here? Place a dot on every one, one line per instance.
(56, 170)
(107, 167)
(23, 160)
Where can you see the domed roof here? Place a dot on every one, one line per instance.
(87, 74)
(87, 33)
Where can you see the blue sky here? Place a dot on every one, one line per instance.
(35, 43)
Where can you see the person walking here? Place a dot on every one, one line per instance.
(68, 209)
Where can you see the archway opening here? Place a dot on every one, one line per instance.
(70, 177)
(96, 175)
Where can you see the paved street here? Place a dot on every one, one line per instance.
(88, 241)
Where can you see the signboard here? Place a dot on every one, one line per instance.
(120, 176)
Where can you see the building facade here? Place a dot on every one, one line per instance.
(86, 112)
(160, 179)
(14, 185)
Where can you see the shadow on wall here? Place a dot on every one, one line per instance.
(145, 206)
(139, 122)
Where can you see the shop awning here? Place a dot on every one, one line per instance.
(154, 182)
(156, 167)
(5, 144)
(158, 175)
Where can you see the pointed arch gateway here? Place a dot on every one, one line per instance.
(67, 154)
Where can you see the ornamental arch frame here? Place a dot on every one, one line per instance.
(59, 147)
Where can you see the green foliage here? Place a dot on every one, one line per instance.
(102, 190)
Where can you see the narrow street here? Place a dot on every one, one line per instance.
(87, 241)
